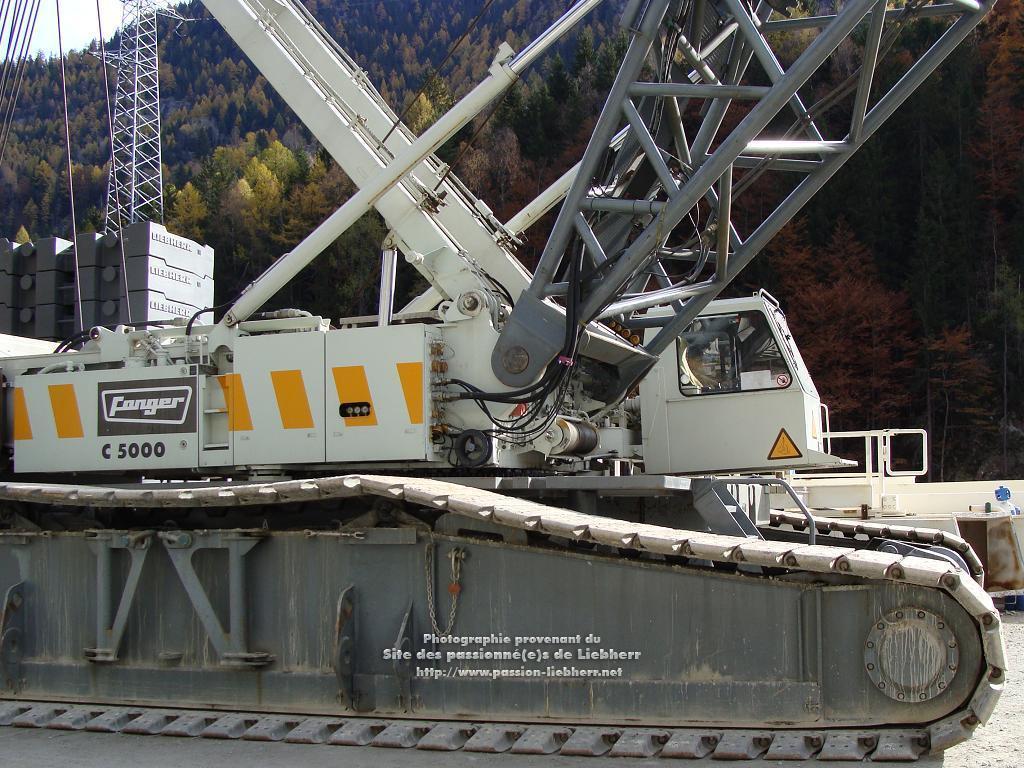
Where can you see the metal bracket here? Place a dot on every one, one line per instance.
(403, 667)
(109, 634)
(431, 202)
(232, 644)
(12, 634)
(345, 647)
(720, 510)
(17, 538)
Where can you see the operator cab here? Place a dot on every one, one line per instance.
(733, 394)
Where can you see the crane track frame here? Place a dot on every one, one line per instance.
(917, 579)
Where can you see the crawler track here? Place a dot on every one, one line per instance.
(901, 743)
(877, 744)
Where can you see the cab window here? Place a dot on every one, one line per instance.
(730, 353)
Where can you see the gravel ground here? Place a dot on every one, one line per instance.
(999, 744)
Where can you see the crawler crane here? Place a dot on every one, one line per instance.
(288, 528)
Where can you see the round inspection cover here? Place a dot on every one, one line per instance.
(472, 448)
(911, 655)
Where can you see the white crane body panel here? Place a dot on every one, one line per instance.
(298, 398)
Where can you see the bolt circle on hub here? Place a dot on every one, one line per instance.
(911, 655)
(515, 359)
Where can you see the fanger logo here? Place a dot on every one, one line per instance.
(156, 405)
(146, 406)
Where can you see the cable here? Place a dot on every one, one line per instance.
(451, 52)
(19, 57)
(473, 138)
(191, 321)
(8, 59)
(14, 12)
(71, 181)
(816, 110)
(85, 335)
(550, 390)
(114, 181)
(71, 341)
(834, 96)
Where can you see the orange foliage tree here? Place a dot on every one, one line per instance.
(958, 396)
(853, 331)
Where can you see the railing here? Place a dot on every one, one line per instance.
(826, 429)
(778, 482)
(878, 454)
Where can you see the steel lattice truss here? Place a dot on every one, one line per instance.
(647, 224)
(135, 187)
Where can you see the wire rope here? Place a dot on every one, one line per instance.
(71, 182)
(114, 181)
(20, 57)
(451, 52)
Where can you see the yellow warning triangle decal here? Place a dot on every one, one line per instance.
(784, 447)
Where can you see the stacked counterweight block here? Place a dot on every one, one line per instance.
(168, 276)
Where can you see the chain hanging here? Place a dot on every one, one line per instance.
(454, 587)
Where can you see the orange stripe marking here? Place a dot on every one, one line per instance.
(22, 426)
(292, 401)
(352, 386)
(411, 376)
(239, 419)
(65, 411)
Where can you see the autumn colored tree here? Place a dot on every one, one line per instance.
(1003, 318)
(308, 205)
(999, 150)
(282, 162)
(1000, 145)
(188, 212)
(853, 332)
(958, 397)
(421, 114)
(266, 191)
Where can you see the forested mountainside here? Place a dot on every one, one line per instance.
(901, 281)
